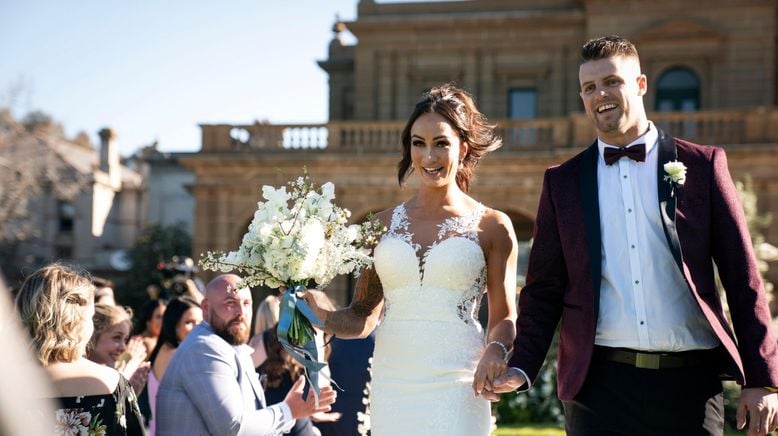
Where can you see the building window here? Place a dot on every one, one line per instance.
(678, 90)
(522, 103)
(67, 214)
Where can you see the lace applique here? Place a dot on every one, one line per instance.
(468, 306)
(466, 226)
(400, 222)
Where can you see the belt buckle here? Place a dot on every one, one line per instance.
(647, 361)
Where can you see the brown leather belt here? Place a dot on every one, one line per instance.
(657, 360)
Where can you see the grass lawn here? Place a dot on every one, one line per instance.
(550, 430)
(529, 430)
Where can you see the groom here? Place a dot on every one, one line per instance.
(623, 256)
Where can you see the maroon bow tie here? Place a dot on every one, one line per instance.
(635, 152)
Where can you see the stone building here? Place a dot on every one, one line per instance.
(711, 73)
(88, 211)
(168, 200)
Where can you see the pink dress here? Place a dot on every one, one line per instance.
(152, 385)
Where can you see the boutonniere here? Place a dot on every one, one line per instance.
(675, 175)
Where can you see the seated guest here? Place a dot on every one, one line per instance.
(210, 386)
(109, 345)
(181, 316)
(56, 305)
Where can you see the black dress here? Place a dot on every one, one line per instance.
(111, 414)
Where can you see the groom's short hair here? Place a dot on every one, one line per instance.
(606, 47)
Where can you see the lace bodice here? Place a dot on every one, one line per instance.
(450, 273)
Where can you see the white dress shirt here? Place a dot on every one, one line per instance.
(645, 303)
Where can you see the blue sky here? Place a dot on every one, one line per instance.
(153, 70)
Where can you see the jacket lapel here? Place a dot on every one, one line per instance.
(591, 216)
(243, 353)
(667, 200)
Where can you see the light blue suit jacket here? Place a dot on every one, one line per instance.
(211, 388)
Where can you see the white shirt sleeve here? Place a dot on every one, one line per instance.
(287, 422)
(525, 387)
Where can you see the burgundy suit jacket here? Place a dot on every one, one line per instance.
(703, 221)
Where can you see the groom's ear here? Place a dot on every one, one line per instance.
(642, 85)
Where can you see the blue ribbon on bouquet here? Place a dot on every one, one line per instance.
(308, 354)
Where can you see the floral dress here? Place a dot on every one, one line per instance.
(111, 414)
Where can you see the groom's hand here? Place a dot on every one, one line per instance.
(509, 381)
(761, 408)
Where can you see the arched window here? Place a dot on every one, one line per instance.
(678, 89)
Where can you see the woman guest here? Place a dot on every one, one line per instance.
(149, 325)
(56, 305)
(181, 316)
(442, 251)
(110, 345)
(147, 328)
(265, 318)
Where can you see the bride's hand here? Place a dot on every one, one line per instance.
(319, 302)
(491, 366)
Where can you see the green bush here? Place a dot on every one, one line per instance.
(538, 405)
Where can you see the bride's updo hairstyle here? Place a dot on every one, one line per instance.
(474, 130)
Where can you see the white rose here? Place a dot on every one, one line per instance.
(311, 240)
(676, 172)
(265, 230)
(274, 195)
(352, 232)
(232, 258)
(328, 191)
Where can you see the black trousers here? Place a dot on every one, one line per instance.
(620, 399)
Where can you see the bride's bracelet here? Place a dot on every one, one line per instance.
(504, 349)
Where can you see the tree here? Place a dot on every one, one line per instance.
(156, 244)
(765, 253)
(29, 167)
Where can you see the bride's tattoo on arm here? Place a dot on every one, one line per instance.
(368, 294)
(358, 318)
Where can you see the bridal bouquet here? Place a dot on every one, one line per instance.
(298, 236)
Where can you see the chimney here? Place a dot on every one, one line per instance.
(109, 155)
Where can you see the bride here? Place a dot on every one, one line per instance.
(442, 250)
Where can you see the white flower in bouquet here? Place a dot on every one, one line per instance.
(296, 237)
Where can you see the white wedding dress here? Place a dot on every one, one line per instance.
(429, 342)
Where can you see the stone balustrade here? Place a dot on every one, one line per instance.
(752, 126)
